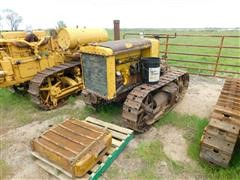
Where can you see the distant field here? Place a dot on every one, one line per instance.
(200, 50)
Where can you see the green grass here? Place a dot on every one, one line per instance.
(152, 152)
(143, 174)
(194, 128)
(4, 144)
(110, 113)
(14, 106)
(71, 100)
(151, 155)
(17, 110)
(4, 169)
(113, 171)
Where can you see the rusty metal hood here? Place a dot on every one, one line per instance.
(126, 45)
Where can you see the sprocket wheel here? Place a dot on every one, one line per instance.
(48, 91)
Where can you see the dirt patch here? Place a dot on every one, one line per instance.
(201, 96)
(18, 155)
(174, 144)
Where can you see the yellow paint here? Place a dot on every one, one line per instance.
(21, 60)
(27, 69)
(125, 65)
(128, 45)
(21, 34)
(153, 51)
(86, 163)
(6, 66)
(69, 38)
(79, 164)
(95, 49)
(155, 48)
(121, 63)
(111, 86)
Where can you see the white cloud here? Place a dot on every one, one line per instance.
(132, 13)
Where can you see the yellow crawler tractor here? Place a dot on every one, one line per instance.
(112, 71)
(130, 70)
(51, 87)
(50, 71)
(23, 55)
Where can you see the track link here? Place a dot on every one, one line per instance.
(221, 134)
(139, 116)
(38, 79)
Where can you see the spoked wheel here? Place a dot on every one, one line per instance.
(50, 88)
(48, 92)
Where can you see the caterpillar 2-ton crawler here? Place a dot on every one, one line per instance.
(52, 66)
(119, 70)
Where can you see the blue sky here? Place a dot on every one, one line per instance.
(132, 13)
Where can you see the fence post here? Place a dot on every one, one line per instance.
(166, 47)
(218, 56)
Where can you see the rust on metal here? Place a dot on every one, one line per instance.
(76, 146)
(126, 45)
(203, 55)
(166, 47)
(116, 29)
(146, 103)
(198, 45)
(221, 134)
(38, 81)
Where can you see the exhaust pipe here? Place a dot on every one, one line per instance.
(116, 29)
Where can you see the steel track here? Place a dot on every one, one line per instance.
(221, 134)
(132, 107)
(39, 78)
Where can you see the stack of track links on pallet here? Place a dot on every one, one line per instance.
(221, 134)
(69, 148)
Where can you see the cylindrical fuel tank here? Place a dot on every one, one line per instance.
(69, 38)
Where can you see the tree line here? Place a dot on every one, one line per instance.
(12, 18)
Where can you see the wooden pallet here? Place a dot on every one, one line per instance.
(120, 138)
